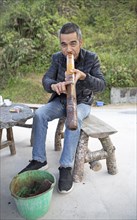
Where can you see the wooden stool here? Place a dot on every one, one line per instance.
(96, 128)
(9, 142)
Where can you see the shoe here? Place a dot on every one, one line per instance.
(65, 184)
(35, 165)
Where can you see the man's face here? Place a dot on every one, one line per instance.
(70, 44)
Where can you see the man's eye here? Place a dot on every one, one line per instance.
(73, 44)
(63, 45)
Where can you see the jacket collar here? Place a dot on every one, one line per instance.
(81, 56)
(79, 59)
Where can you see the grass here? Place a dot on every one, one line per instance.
(29, 89)
(26, 90)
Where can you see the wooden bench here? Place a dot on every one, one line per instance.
(91, 127)
(95, 128)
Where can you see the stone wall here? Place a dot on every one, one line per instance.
(123, 95)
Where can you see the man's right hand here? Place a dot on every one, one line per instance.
(60, 87)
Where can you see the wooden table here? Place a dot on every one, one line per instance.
(8, 120)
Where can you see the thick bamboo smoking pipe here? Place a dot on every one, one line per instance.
(71, 120)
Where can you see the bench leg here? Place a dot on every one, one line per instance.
(59, 134)
(95, 165)
(93, 158)
(110, 160)
(82, 148)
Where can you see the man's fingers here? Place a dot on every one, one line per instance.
(69, 82)
(57, 91)
(64, 87)
(69, 79)
(60, 88)
(56, 88)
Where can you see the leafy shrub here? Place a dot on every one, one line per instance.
(28, 36)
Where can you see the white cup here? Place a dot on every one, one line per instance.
(1, 100)
(7, 102)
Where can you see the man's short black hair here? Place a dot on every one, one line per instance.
(69, 28)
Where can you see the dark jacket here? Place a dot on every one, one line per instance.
(88, 63)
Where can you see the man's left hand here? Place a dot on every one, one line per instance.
(78, 75)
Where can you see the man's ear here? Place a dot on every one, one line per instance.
(81, 42)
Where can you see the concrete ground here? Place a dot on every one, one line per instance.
(99, 195)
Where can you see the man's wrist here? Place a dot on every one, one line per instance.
(83, 76)
(52, 87)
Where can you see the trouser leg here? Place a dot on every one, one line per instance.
(43, 115)
(71, 137)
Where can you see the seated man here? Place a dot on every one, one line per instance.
(88, 80)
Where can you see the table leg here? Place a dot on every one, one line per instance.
(1, 138)
(10, 138)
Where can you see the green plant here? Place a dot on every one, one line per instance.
(25, 90)
(28, 37)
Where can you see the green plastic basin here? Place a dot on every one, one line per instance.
(35, 206)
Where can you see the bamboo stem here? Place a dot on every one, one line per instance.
(71, 120)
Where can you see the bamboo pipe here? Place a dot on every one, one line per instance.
(71, 120)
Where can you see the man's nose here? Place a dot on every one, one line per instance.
(69, 49)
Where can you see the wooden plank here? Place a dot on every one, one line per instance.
(96, 128)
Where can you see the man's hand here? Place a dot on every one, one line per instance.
(78, 75)
(60, 87)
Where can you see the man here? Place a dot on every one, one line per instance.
(88, 80)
